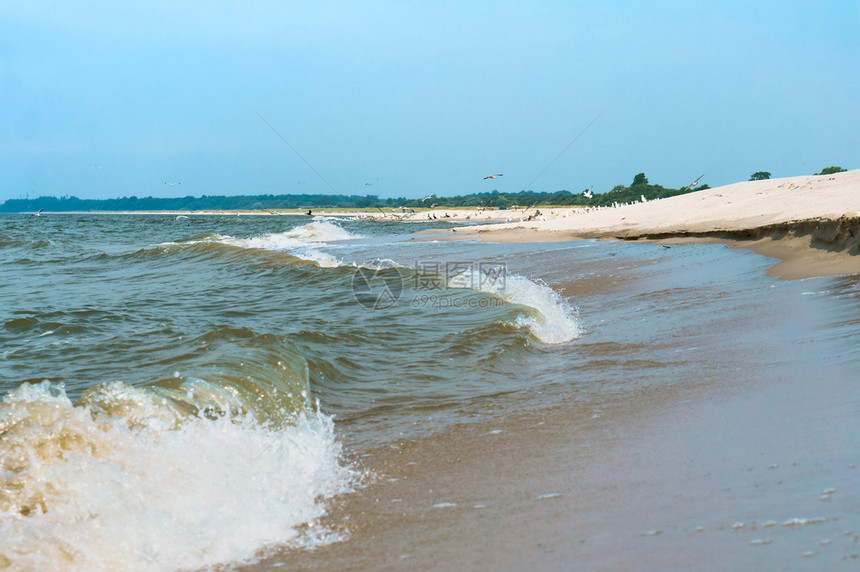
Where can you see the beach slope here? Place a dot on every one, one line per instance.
(782, 218)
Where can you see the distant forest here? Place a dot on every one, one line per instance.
(621, 194)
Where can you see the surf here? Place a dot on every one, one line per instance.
(183, 473)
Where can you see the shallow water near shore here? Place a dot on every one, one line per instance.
(303, 367)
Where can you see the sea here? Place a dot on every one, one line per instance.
(188, 392)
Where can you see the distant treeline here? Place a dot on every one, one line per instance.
(234, 203)
(620, 194)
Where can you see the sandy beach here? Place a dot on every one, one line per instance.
(711, 476)
(811, 223)
(741, 457)
(704, 478)
(422, 286)
(635, 402)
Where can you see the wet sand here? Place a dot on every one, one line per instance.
(705, 477)
(796, 257)
(753, 467)
(746, 460)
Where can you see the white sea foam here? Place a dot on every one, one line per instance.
(316, 233)
(804, 521)
(556, 320)
(378, 264)
(87, 491)
(304, 241)
(321, 258)
(444, 505)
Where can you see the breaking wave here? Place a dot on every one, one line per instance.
(553, 321)
(184, 473)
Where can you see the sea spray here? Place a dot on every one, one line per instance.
(303, 242)
(313, 233)
(555, 321)
(149, 489)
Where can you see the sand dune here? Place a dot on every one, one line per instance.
(777, 217)
(740, 206)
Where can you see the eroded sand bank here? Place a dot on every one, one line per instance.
(812, 223)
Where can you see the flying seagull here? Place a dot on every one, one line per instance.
(38, 213)
(587, 193)
(694, 183)
(493, 176)
(428, 197)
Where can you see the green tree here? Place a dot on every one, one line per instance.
(831, 170)
(640, 179)
(760, 176)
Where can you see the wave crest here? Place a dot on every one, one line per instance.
(157, 477)
(553, 321)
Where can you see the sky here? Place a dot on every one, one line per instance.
(404, 98)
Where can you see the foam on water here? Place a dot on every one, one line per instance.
(318, 257)
(313, 233)
(378, 264)
(138, 488)
(555, 321)
(303, 241)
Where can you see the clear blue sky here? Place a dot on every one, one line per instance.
(101, 101)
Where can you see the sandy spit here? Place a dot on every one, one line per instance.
(811, 223)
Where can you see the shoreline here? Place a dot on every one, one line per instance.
(704, 415)
(811, 224)
(563, 487)
(746, 461)
(804, 249)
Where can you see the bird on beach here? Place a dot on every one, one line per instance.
(493, 176)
